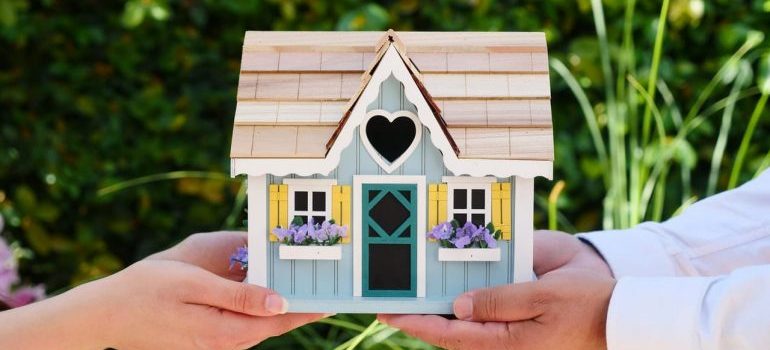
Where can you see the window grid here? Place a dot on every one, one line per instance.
(468, 211)
(312, 205)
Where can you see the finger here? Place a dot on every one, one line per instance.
(246, 331)
(210, 289)
(210, 251)
(523, 301)
(551, 251)
(258, 329)
(454, 334)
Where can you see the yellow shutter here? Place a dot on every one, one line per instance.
(437, 210)
(341, 210)
(278, 208)
(501, 208)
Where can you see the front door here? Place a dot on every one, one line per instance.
(389, 241)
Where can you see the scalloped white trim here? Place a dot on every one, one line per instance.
(391, 63)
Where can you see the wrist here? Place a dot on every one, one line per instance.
(67, 321)
(593, 257)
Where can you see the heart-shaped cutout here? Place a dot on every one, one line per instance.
(390, 137)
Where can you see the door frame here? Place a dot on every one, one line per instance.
(358, 181)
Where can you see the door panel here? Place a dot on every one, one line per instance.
(390, 245)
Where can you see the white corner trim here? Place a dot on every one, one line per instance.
(358, 181)
(257, 226)
(524, 201)
(310, 182)
(379, 159)
(392, 64)
(469, 179)
(309, 252)
(469, 254)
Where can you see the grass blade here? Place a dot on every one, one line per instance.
(174, 175)
(724, 130)
(740, 158)
(653, 77)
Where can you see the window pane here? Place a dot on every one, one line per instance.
(318, 219)
(300, 200)
(390, 267)
(319, 201)
(461, 218)
(478, 219)
(303, 217)
(460, 199)
(477, 199)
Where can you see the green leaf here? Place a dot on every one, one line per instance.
(7, 13)
(367, 17)
(764, 73)
(133, 14)
(159, 12)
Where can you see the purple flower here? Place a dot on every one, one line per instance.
(9, 277)
(441, 231)
(461, 242)
(241, 256)
(282, 233)
(25, 295)
(8, 274)
(491, 242)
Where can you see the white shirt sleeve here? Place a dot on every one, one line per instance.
(686, 313)
(719, 250)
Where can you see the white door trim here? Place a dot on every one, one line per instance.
(358, 181)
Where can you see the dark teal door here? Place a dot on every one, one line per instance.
(389, 243)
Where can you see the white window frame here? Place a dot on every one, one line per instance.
(310, 186)
(469, 183)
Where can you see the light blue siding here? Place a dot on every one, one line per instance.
(305, 281)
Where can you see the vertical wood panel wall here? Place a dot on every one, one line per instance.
(327, 279)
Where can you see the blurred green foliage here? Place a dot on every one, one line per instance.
(97, 93)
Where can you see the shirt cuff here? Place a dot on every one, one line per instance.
(656, 313)
(635, 252)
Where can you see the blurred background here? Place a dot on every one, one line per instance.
(115, 118)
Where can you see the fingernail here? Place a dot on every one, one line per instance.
(276, 304)
(464, 307)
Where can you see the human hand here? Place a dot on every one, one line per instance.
(210, 251)
(173, 299)
(566, 309)
(168, 304)
(556, 250)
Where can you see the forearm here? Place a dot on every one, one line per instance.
(719, 313)
(713, 237)
(68, 321)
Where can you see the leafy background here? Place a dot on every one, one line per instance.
(115, 117)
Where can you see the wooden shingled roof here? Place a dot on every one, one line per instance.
(490, 89)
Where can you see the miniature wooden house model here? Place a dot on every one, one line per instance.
(389, 134)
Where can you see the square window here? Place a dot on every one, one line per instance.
(477, 199)
(460, 199)
(303, 217)
(318, 219)
(300, 200)
(461, 218)
(319, 201)
(478, 219)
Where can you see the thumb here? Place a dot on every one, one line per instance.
(244, 298)
(510, 302)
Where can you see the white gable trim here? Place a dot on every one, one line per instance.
(391, 63)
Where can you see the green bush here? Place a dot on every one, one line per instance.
(115, 118)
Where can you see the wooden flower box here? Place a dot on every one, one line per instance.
(469, 254)
(309, 252)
